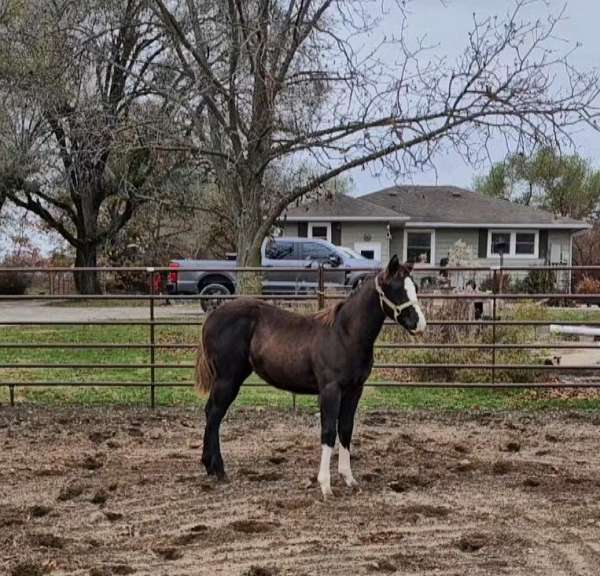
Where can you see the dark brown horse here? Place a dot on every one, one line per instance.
(329, 354)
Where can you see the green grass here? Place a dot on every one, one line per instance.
(396, 398)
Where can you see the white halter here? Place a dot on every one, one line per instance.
(396, 308)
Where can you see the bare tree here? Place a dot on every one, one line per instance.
(288, 86)
(79, 124)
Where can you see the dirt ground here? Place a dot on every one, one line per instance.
(120, 491)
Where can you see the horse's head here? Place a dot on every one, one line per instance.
(398, 296)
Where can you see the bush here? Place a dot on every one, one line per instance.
(493, 283)
(589, 285)
(14, 283)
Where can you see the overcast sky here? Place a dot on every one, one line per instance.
(446, 24)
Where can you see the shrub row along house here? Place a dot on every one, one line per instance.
(422, 223)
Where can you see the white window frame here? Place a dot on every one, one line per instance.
(512, 253)
(319, 225)
(431, 232)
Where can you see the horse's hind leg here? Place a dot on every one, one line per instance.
(223, 393)
(345, 428)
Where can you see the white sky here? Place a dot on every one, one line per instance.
(446, 24)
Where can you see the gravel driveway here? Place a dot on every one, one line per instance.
(42, 312)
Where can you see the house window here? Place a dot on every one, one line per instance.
(513, 243)
(419, 246)
(500, 243)
(321, 230)
(525, 243)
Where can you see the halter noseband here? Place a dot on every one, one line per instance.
(396, 308)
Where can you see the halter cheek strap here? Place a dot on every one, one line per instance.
(396, 308)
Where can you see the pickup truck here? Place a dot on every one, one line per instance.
(345, 270)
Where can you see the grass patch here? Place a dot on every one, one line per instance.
(181, 360)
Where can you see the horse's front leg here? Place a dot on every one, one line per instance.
(330, 398)
(345, 428)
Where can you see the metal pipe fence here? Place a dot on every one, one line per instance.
(317, 293)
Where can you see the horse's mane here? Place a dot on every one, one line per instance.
(328, 315)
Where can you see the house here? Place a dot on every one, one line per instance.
(422, 223)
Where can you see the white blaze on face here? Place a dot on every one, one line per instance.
(411, 292)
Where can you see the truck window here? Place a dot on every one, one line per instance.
(280, 250)
(315, 251)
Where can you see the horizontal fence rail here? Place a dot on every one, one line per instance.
(318, 292)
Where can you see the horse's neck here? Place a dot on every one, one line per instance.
(361, 316)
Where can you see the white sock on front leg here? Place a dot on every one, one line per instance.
(324, 476)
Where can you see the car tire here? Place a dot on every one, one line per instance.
(213, 290)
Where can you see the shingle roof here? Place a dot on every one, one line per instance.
(450, 204)
(343, 207)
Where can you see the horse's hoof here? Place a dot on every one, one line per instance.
(327, 492)
(351, 483)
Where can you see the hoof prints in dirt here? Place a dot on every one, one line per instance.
(254, 476)
(382, 566)
(408, 482)
(47, 540)
(168, 552)
(39, 511)
(260, 571)
(27, 569)
(252, 526)
(70, 491)
(112, 570)
(417, 511)
(471, 542)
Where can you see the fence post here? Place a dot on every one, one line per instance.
(152, 340)
(494, 284)
(11, 391)
(321, 289)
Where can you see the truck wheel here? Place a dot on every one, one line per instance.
(213, 291)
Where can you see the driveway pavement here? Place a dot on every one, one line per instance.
(42, 312)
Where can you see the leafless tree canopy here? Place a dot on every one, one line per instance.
(78, 122)
(294, 87)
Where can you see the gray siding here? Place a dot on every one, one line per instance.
(290, 229)
(446, 238)
(353, 232)
(397, 242)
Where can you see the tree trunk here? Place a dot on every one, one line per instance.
(86, 282)
(248, 255)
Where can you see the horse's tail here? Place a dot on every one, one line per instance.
(205, 370)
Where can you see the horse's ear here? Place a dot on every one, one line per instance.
(392, 267)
